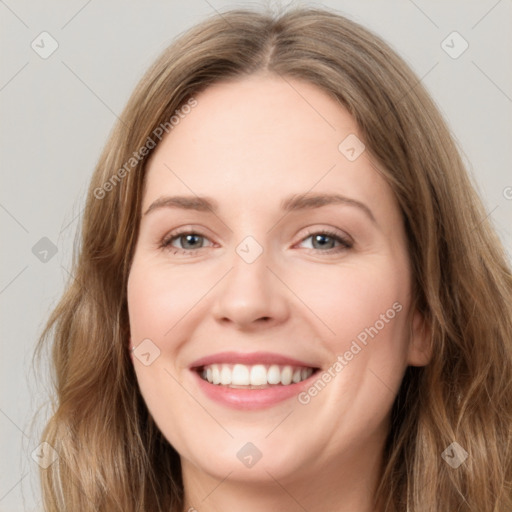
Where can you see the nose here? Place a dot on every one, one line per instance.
(251, 295)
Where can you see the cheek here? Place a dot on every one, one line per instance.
(356, 300)
(365, 306)
(158, 298)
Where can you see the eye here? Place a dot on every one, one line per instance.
(188, 240)
(191, 241)
(325, 241)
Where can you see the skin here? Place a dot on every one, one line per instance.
(249, 144)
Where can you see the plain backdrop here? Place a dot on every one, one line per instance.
(56, 114)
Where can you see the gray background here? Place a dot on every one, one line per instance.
(56, 114)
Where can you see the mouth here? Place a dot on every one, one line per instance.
(251, 380)
(257, 376)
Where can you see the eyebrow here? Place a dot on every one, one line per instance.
(293, 203)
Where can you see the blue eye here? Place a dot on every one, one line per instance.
(190, 241)
(328, 239)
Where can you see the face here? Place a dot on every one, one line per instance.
(270, 287)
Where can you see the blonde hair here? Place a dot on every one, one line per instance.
(112, 456)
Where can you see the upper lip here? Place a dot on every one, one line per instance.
(249, 358)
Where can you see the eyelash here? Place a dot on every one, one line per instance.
(166, 242)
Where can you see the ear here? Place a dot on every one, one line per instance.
(420, 343)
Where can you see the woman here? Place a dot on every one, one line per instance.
(259, 366)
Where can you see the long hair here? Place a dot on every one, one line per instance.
(112, 456)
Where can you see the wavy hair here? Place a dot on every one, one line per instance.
(112, 456)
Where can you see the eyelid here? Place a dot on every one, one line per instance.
(333, 232)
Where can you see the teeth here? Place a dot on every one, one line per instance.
(225, 375)
(274, 375)
(241, 375)
(258, 375)
(286, 375)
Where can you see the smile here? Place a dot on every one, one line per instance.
(250, 381)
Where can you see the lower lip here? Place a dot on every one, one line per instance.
(250, 398)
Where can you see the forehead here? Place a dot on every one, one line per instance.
(262, 138)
